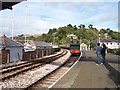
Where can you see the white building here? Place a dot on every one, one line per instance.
(34, 45)
(72, 36)
(111, 44)
(83, 47)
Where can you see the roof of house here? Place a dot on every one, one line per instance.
(109, 40)
(39, 43)
(83, 44)
(71, 35)
(7, 42)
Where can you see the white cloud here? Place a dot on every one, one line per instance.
(32, 25)
(104, 17)
(43, 16)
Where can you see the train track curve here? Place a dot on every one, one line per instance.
(16, 76)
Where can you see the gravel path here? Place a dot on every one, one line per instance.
(27, 78)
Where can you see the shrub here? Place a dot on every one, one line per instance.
(114, 51)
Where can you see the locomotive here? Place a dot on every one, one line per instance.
(75, 47)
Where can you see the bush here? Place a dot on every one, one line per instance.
(114, 51)
(118, 51)
(56, 49)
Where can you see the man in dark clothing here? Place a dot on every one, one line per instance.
(103, 52)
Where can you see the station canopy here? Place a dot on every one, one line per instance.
(7, 4)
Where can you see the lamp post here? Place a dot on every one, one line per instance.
(80, 43)
(25, 38)
(99, 36)
(89, 44)
(26, 21)
(80, 39)
(54, 38)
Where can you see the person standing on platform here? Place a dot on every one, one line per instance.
(98, 53)
(103, 52)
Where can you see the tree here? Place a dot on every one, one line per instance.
(75, 27)
(52, 30)
(90, 26)
(69, 25)
(108, 30)
(21, 35)
(81, 26)
(92, 44)
(103, 31)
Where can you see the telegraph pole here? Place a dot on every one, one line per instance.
(12, 25)
(26, 22)
(98, 36)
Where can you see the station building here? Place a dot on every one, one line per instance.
(11, 51)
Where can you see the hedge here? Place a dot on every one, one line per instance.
(114, 51)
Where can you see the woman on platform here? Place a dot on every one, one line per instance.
(103, 52)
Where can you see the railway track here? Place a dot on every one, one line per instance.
(10, 71)
(51, 78)
(26, 74)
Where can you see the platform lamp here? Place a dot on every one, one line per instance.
(99, 36)
(80, 40)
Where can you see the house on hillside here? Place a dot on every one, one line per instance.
(11, 51)
(111, 44)
(72, 36)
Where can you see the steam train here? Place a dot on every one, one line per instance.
(75, 47)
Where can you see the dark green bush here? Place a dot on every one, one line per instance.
(118, 51)
(56, 49)
(114, 51)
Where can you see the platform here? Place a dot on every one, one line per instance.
(86, 74)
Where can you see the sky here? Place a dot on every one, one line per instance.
(38, 16)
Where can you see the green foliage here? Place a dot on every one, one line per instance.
(52, 30)
(89, 35)
(90, 26)
(56, 49)
(114, 51)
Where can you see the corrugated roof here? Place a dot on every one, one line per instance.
(5, 41)
(109, 40)
(41, 44)
(10, 43)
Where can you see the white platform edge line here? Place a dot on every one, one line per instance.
(66, 72)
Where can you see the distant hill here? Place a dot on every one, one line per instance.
(87, 34)
(59, 35)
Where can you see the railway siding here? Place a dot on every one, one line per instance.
(28, 78)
